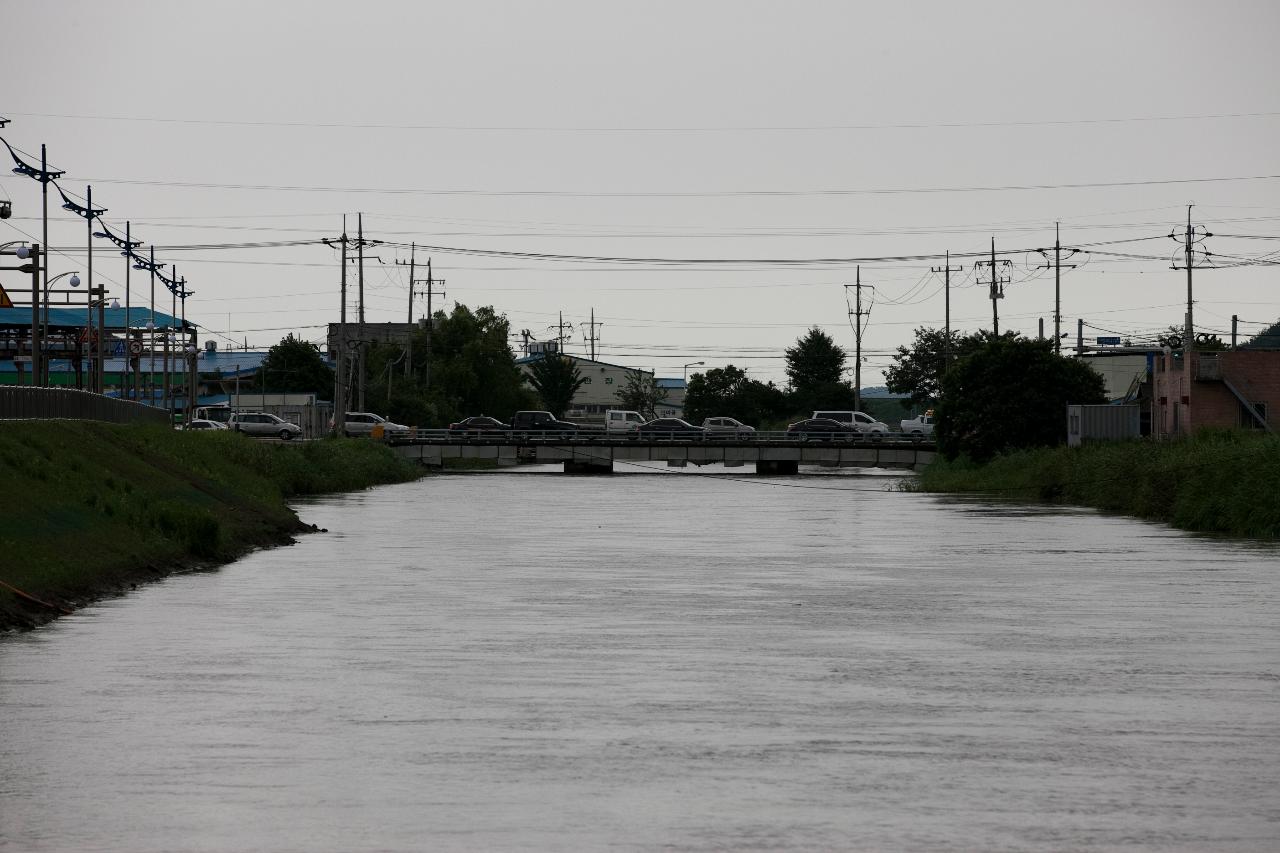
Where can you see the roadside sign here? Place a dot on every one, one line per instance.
(135, 347)
(1108, 342)
(118, 349)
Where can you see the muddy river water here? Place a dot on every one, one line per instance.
(656, 661)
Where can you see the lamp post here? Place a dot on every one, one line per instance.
(686, 369)
(44, 176)
(31, 254)
(127, 245)
(89, 213)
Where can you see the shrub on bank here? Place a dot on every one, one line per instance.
(1219, 481)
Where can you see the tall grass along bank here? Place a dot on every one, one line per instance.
(88, 509)
(1222, 482)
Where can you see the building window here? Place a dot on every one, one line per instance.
(1247, 420)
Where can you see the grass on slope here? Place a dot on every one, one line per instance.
(1220, 481)
(89, 507)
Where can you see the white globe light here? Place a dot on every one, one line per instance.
(75, 280)
(23, 253)
(150, 325)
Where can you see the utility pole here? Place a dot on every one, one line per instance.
(946, 271)
(1057, 266)
(1192, 235)
(858, 314)
(560, 336)
(998, 281)
(593, 335)
(340, 378)
(430, 281)
(408, 363)
(360, 246)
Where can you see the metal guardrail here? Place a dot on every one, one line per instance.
(19, 402)
(485, 437)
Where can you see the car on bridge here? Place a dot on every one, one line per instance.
(264, 425)
(727, 428)
(363, 424)
(670, 429)
(860, 422)
(821, 429)
(541, 423)
(479, 426)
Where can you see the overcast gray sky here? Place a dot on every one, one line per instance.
(711, 130)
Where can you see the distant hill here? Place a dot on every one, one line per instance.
(880, 391)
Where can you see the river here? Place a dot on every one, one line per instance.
(524, 661)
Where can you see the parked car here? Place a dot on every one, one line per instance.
(541, 422)
(479, 425)
(727, 428)
(860, 421)
(201, 424)
(263, 424)
(362, 424)
(220, 413)
(673, 429)
(821, 429)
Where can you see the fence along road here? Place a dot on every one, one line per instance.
(26, 403)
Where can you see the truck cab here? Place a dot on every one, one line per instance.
(622, 420)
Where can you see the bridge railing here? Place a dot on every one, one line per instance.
(440, 436)
(19, 402)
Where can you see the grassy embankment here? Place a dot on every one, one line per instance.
(1221, 482)
(88, 509)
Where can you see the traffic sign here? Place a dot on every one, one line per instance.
(1108, 342)
(118, 349)
(135, 347)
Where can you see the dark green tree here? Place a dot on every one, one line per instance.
(917, 369)
(556, 379)
(641, 393)
(465, 366)
(1010, 394)
(1268, 338)
(814, 361)
(728, 392)
(472, 367)
(296, 366)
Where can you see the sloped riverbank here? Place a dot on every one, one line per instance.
(89, 509)
(1219, 482)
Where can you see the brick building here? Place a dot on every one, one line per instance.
(1233, 388)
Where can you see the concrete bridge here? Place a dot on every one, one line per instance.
(770, 454)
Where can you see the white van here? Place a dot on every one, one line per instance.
(860, 421)
(622, 420)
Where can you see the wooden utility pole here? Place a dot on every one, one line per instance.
(997, 286)
(340, 386)
(430, 281)
(946, 269)
(360, 248)
(592, 335)
(857, 314)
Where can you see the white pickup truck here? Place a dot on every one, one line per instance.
(919, 427)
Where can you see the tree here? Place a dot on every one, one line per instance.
(1009, 394)
(641, 393)
(918, 369)
(296, 366)
(556, 379)
(472, 368)
(814, 361)
(727, 392)
(1268, 338)
(464, 366)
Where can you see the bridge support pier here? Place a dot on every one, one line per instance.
(777, 466)
(581, 466)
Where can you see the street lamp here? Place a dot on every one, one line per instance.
(686, 369)
(44, 301)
